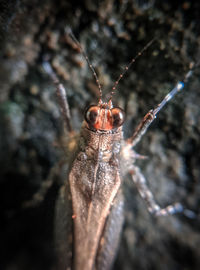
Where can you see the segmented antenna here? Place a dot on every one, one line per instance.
(88, 61)
(128, 66)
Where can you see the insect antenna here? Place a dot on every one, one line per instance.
(88, 61)
(128, 66)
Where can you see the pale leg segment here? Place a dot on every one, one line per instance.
(151, 115)
(61, 93)
(147, 195)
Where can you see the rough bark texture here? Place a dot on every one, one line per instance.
(111, 32)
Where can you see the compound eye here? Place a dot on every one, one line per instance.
(118, 117)
(92, 114)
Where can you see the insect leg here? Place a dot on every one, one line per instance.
(61, 93)
(151, 115)
(147, 195)
(39, 196)
(141, 128)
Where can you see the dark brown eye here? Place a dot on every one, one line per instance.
(92, 114)
(118, 116)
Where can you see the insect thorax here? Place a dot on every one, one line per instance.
(100, 145)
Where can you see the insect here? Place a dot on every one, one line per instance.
(91, 202)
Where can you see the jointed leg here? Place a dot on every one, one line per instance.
(147, 195)
(142, 128)
(61, 93)
(151, 115)
(53, 176)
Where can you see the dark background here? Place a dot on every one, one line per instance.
(111, 32)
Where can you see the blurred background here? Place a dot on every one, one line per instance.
(112, 33)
